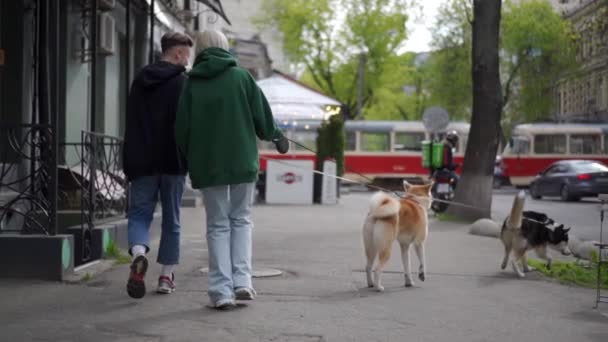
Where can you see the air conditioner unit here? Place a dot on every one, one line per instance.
(106, 5)
(107, 34)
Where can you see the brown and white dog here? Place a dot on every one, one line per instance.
(405, 221)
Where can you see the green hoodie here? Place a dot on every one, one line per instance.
(220, 112)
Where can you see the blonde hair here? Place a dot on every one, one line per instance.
(211, 38)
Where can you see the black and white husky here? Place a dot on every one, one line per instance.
(526, 230)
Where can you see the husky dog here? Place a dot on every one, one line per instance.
(523, 231)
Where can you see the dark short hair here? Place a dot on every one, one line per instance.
(172, 39)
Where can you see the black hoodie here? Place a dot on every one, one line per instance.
(149, 143)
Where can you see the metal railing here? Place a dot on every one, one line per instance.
(104, 192)
(28, 200)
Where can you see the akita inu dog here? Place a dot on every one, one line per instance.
(405, 221)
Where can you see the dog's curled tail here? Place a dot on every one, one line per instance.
(383, 205)
(516, 216)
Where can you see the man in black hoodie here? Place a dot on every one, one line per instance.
(152, 162)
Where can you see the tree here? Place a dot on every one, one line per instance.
(475, 186)
(537, 44)
(327, 45)
(449, 73)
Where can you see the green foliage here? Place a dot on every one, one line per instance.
(86, 277)
(573, 272)
(537, 45)
(330, 143)
(449, 69)
(326, 37)
(113, 252)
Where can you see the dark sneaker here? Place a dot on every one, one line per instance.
(245, 293)
(136, 286)
(166, 285)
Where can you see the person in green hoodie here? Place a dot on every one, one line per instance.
(220, 113)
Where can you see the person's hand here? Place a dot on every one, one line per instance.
(282, 144)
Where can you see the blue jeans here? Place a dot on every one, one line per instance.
(229, 228)
(142, 202)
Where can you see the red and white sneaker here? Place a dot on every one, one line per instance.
(166, 285)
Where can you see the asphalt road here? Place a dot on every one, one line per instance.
(582, 216)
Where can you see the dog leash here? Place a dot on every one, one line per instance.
(413, 197)
(397, 194)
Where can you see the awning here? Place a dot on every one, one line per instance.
(289, 99)
(216, 6)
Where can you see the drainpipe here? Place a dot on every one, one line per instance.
(151, 56)
(94, 43)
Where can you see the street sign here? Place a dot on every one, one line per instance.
(435, 119)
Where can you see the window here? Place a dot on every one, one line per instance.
(550, 144)
(585, 144)
(410, 141)
(557, 169)
(374, 142)
(351, 141)
(520, 145)
(589, 167)
(308, 139)
(464, 140)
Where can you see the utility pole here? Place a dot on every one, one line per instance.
(360, 81)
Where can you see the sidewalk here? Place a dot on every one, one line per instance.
(321, 297)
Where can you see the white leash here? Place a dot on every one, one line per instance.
(283, 162)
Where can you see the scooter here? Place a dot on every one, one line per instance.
(443, 189)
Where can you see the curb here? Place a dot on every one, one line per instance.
(490, 228)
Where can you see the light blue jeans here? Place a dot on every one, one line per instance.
(143, 197)
(229, 228)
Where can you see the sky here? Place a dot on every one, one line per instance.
(420, 35)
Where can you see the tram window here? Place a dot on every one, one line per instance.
(308, 139)
(585, 144)
(520, 145)
(605, 144)
(550, 144)
(351, 141)
(464, 140)
(411, 141)
(374, 142)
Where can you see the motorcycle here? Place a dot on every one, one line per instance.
(443, 189)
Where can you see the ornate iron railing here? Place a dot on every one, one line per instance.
(105, 189)
(27, 198)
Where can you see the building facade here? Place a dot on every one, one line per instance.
(258, 50)
(583, 93)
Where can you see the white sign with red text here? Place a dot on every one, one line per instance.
(289, 182)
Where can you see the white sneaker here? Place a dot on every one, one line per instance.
(245, 293)
(225, 304)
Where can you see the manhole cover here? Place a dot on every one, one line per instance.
(261, 273)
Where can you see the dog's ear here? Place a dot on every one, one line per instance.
(567, 229)
(406, 186)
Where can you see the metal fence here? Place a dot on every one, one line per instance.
(28, 183)
(104, 192)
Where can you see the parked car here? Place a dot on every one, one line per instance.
(571, 180)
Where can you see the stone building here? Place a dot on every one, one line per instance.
(583, 93)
